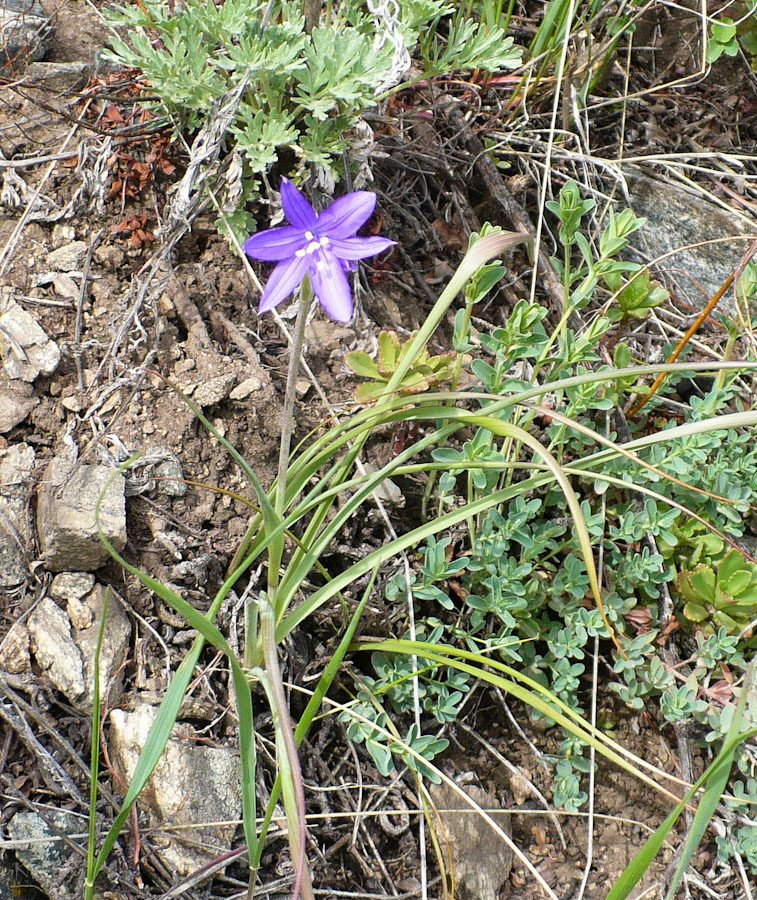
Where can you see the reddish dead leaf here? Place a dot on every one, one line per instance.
(540, 835)
(113, 114)
(721, 691)
(640, 618)
(671, 626)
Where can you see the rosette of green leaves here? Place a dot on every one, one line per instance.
(726, 596)
(425, 372)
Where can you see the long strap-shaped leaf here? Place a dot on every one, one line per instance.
(168, 711)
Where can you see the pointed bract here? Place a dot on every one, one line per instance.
(324, 246)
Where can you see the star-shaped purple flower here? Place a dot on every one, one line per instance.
(323, 246)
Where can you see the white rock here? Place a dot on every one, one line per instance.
(116, 636)
(16, 473)
(55, 650)
(191, 784)
(63, 233)
(214, 389)
(67, 498)
(243, 390)
(17, 400)
(25, 349)
(68, 258)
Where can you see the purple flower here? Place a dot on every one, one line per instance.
(322, 246)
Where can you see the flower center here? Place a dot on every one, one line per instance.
(313, 245)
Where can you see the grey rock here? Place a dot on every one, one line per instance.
(16, 472)
(25, 349)
(72, 586)
(68, 258)
(47, 854)
(159, 468)
(55, 650)
(67, 498)
(14, 651)
(481, 859)
(191, 784)
(17, 400)
(116, 636)
(25, 35)
(59, 77)
(214, 389)
(65, 645)
(677, 218)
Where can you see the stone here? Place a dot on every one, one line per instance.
(325, 337)
(65, 286)
(159, 469)
(17, 400)
(55, 650)
(46, 854)
(14, 651)
(115, 642)
(243, 390)
(387, 491)
(73, 587)
(676, 218)
(26, 34)
(175, 795)
(214, 390)
(65, 645)
(25, 349)
(16, 473)
(66, 502)
(481, 859)
(63, 233)
(59, 77)
(68, 258)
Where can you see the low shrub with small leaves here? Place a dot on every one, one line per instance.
(664, 519)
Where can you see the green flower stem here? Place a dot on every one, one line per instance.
(288, 759)
(253, 650)
(290, 397)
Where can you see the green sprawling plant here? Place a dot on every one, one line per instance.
(666, 512)
(306, 87)
(510, 475)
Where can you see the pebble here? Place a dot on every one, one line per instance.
(214, 390)
(68, 258)
(66, 501)
(243, 390)
(16, 473)
(17, 400)
(25, 349)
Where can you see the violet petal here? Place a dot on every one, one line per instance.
(282, 281)
(275, 243)
(346, 214)
(296, 207)
(357, 247)
(330, 285)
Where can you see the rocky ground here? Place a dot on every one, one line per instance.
(103, 298)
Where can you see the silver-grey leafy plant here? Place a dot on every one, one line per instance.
(306, 90)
